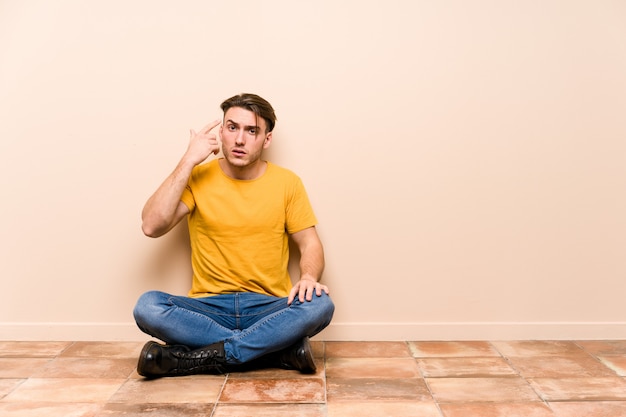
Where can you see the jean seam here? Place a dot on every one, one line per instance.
(236, 310)
(181, 303)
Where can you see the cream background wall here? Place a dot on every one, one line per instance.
(466, 159)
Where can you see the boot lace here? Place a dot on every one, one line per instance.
(199, 361)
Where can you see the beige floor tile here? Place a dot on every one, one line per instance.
(527, 348)
(198, 409)
(65, 390)
(189, 389)
(580, 389)
(21, 367)
(86, 368)
(616, 363)
(270, 410)
(452, 349)
(367, 350)
(604, 347)
(97, 379)
(318, 348)
(385, 409)
(135, 375)
(8, 385)
(448, 390)
(576, 366)
(496, 410)
(32, 349)
(283, 390)
(589, 409)
(465, 367)
(374, 389)
(113, 350)
(36, 409)
(371, 368)
(275, 373)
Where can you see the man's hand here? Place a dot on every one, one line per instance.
(304, 290)
(203, 143)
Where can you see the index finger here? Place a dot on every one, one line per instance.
(210, 126)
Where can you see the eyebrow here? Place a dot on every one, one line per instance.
(245, 127)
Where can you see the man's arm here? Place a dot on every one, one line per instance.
(311, 266)
(164, 210)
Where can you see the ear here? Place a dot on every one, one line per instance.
(268, 141)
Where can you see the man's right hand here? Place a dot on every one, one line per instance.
(202, 144)
(164, 210)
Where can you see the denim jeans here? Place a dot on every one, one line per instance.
(250, 325)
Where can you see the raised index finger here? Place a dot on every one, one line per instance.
(210, 126)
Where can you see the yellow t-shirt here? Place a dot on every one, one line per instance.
(239, 229)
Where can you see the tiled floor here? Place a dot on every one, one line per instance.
(426, 379)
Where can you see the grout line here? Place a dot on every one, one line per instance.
(219, 395)
(324, 370)
(519, 375)
(65, 349)
(423, 377)
(597, 358)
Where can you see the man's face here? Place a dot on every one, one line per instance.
(244, 137)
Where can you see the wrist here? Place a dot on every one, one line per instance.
(308, 278)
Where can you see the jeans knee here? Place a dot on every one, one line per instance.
(320, 310)
(146, 307)
(327, 307)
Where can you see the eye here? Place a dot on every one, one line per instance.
(252, 131)
(231, 128)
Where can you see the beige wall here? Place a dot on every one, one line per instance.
(466, 159)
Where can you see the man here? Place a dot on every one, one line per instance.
(242, 309)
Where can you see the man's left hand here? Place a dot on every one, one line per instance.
(304, 290)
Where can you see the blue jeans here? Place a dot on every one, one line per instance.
(250, 325)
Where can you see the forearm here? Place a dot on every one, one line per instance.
(311, 266)
(312, 262)
(159, 211)
(163, 209)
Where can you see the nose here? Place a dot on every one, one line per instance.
(239, 139)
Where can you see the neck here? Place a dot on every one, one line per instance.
(248, 172)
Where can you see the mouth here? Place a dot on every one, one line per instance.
(238, 152)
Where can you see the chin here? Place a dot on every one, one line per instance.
(237, 162)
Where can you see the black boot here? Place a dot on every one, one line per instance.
(298, 356)
(158, 360)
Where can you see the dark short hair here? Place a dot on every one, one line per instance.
(256, 104)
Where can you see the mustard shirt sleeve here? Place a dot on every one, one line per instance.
(299, 212)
